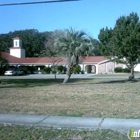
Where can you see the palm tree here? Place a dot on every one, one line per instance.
(72, 44)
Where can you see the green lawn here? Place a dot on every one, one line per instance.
(80, 97)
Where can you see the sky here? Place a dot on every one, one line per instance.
(87, 15)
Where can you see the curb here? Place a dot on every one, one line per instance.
(79, 123)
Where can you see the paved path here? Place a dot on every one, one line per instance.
(73, 76)
(71, 122)
(43, 76)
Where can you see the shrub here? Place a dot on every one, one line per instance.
(60, 68)
(118, 69)
(126, 70)
(46, 70)
(64, 70)
(77, 70)
(53, 72)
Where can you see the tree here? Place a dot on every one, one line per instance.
(5, 42)
(71, 45)
(50, 51)
(48, 41)
(95, 51)
(33, 41)
(3, 61)
(123, 41)
(0, 65)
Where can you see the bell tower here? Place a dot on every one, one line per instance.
(17, 42)
(17, 49)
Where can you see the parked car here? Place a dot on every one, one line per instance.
(25, 70)
(10, 71)
(14, 71)
(19, 72)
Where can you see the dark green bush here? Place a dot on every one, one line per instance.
(126, 70)
(77, 70)
(46, 70)
(60, 68)
(118, 69)
(64, 70)
(53, 72)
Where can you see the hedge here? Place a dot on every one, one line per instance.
(120, 70)
(46, 70)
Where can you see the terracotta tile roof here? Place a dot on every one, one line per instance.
(39, 60)
(48, 60)
(7, 55)
(32, 60)
(93, 59)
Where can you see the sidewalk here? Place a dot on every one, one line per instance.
(71, 122)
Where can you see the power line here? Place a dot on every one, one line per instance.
(39, 2)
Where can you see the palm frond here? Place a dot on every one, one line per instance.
(73, 42)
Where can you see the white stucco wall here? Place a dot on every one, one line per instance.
(20, 53)
(82, 67)
(137, 68)
(97, 68)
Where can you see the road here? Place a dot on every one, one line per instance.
(61, 76)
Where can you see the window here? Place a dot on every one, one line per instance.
(16, 43)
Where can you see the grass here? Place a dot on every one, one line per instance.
(116, 74)
(80, 97)
(32, 133)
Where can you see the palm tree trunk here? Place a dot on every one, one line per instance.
(68, 74)
(131, 77)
